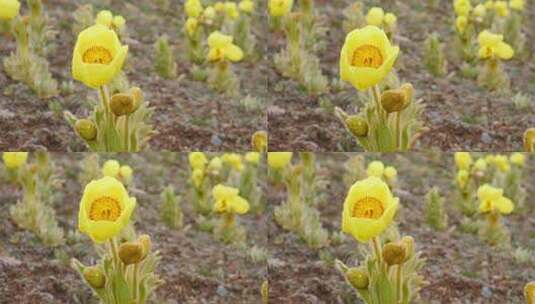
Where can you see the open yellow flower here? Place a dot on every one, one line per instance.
(517, 5)
(221, 48)
(9, 9)
(375, 16)
(492, 199)
(14, 160)
(279, 8)
(197, 160)
(105, 209)
(518, 159)
(279, 160)
(367, 57)
(193, 8)
(98, 56)
(491, 46)
(227, 200)
(111, 168)
(463, 160)
(368, 209)
(375, 168)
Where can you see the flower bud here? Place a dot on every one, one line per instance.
(145, 240)
(259, 141)
(357, 125)
(86, 129)
(358, 278)
(408, 243)
(394, 253)
(409, 91)
(131, 252)
(138, 96)
(94, 277)
(529, 140)
(394, 100)
(122, 104)
(529, 292)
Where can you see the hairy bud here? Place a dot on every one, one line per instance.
(394, 253)
(94, 277)
(131, 252)
(86, 129)
(357, 125)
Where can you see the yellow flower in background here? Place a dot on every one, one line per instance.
(376, 169)
(490, 159)
(215, 164)
(480, 11)
(390, 173)
(489, 4)
(209, 13)
(461, 23)
(279, 8)
(462, 178)
(197, 177)
(369, 208)
(231, 10)
(259, 141)
(517, 5)
(247, 6)
(234, 160)
(14, 160)
(221, 48)
(105, 18)
(105, 209)
(191, 26)
(252, 157)
(126, 174)
(219, 6)
(462, 7)
(518, 159)
(367, 57)
(119, 22)
(501, 8)
(492, 46)
(193, 8)
(480, 165)
(279, 160)
(98, 56)
(375, 16)
(502, 163)
(491, 199)
(463, 160)
(391, 20)
(9, 9)
(197, 160)
(111, 168)
(227, 200)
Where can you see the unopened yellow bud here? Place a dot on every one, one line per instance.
(259, 141)
(122, 104)
(529, 292)
(357, 125)
(94, 277)
(397, 100)
(145, 240)
(394, 253)
(86, 129)
(138, 96)
(358, 278)
(408, 242)
(529, 140)
(131, 252)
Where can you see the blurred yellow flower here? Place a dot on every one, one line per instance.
(461, 23)
(259, 141)
(376, 169)
(462, 178)
(215, 164)
(517, 5)
(463, 160)
(518, 159)
(492, 199)
(391, 20)
(369, 208)
(98, 56)
(14, 160)
(462, 7)
(247, 6)
(367, 57)
(197, 177)
(375, 16)
(279, 160)
(191, 26)
(502, 163)
(126, 174)
(111, 168)
(193, 8)
(105, 209)
(252, 157)
(119, 22)
(480, 11)
(231, 10)
(9, 9)
(197, 160)
(234, 160)
(105, 18)
(209, 13)
(489, 4)
(492, 46)
(219, 6)
(502, 9)
(279, 8)
(221, 48)
(227, 200)
(480, 165)
(390, 173)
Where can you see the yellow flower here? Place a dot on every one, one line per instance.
(197, 176)
(231, 10)
(463, 160)
(221, 48)
(219, 6)
(462, 178)
(391, 20)
(502, 163)
(367, 57)
(234, 160)
(375, 16)
(279, 8)
(529, 292)
(14, 160)
(126, 174)
(390, 173)
(461, 23)
(193, 8)
(227, 200)
(119, 22)
(491, 199)
(490, 159)
(501, 8)
(480, 165)
(259, 141)
(197, 160)
(105, 209)
(492, 46)
(111, 168)
(462, 7)
(215, 164)
(247, 6)
(517, 5)
(480, 11)
(252, 157)
(9, 9)
(279, 160)
(105, 18)
(518, 159)
(98, 56)
(209, 13)
(376, 169)
(489, 4)
(368, 209)
(191, 26)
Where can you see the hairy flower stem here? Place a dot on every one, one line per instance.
(376, 92)
(105, 100)
(115, 260)
(398, 130)
(126, 134)
(399, 283)
(134, 281)
(377, 249)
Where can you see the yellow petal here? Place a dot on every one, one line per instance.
(504, 51)
(9, 9)
(233, 52)
(504, 205)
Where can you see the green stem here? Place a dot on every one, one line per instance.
(134, 279)
(105, 100)
(126, 133)
(398, 131)
(399, 283)
(377, 248)
(376, 92)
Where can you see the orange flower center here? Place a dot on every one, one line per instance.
(367, 56)
(97, 54)
(105, 209)
(368, 207)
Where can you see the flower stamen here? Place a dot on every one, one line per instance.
(367, 56)
(368, 207)
(97, 54)
(105, 209)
